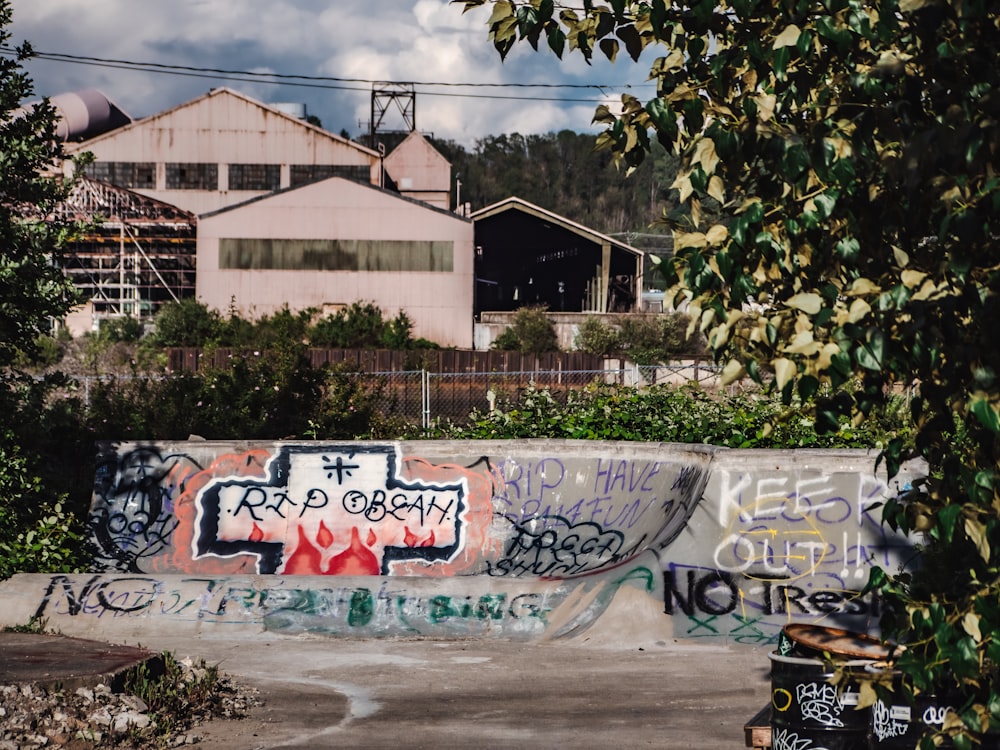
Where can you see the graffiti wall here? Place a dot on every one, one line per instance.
(783, 535)
(529, 509)
(520, 539)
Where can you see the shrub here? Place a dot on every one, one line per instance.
(531, 332)
(361, 325)
(47, 351)
(273, 393)
(665, 413)
(36, 533)
(596, 337)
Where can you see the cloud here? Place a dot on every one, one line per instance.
(391, 40)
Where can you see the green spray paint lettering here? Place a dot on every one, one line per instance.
(362, 608)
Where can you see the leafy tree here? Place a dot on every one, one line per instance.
(35, 532)
(186, 322)
(362, 325)
(33, 288)
(594, 336)
(856, 146)
(645, 340)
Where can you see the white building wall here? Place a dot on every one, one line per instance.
(222, 128)
(439, 303)
(420, 171)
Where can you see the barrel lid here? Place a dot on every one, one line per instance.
(837, 642)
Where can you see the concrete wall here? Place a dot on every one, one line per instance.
(518, 539)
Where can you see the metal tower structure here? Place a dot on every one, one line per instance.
(385, 96)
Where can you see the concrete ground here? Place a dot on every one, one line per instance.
(445, 694)
(465, 694)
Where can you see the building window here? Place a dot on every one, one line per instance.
(126, 174)
(401, 256)
(192, 176)
(254, 176)
(300, 174)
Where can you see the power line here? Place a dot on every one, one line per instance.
(322, 82)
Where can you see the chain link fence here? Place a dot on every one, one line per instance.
(421, 396)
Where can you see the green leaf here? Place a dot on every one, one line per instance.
(986, 410)
(663, 117)
(796, 160)
(557, 40)
(825, 204)
(870, 355)
(947, 518)
(808, 386)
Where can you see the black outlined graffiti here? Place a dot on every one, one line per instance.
(316, 498)
(132, 516)
(550, 546)
(698, 591)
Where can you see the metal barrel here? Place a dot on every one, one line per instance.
(809, 711)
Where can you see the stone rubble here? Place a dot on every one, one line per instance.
(32, 717)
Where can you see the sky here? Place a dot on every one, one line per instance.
(422, 42)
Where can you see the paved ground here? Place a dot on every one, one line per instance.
(458, 694)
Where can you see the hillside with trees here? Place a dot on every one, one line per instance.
(562, 172)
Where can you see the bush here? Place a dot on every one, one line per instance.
(531, 332)
(362, 326)
(125, 330)
(645, 340)
(47, 351)
(665, 413)
(596, 337)
(274, 393)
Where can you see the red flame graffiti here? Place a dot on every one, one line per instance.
(429, 541)
(372, 538)
(356, 560)
(324, 537)
(256, 535)
(306, 558)
(409, 538)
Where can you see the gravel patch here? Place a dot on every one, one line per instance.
(33, 717)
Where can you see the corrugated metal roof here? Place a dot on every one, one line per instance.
(225, 91)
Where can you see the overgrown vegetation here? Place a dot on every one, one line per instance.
(671, 414)
(360, 325)
(173, 696)
(35, 531)
(646, 340)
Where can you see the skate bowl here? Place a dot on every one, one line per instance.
(529, 540)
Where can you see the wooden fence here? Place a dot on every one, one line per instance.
(385, 360)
